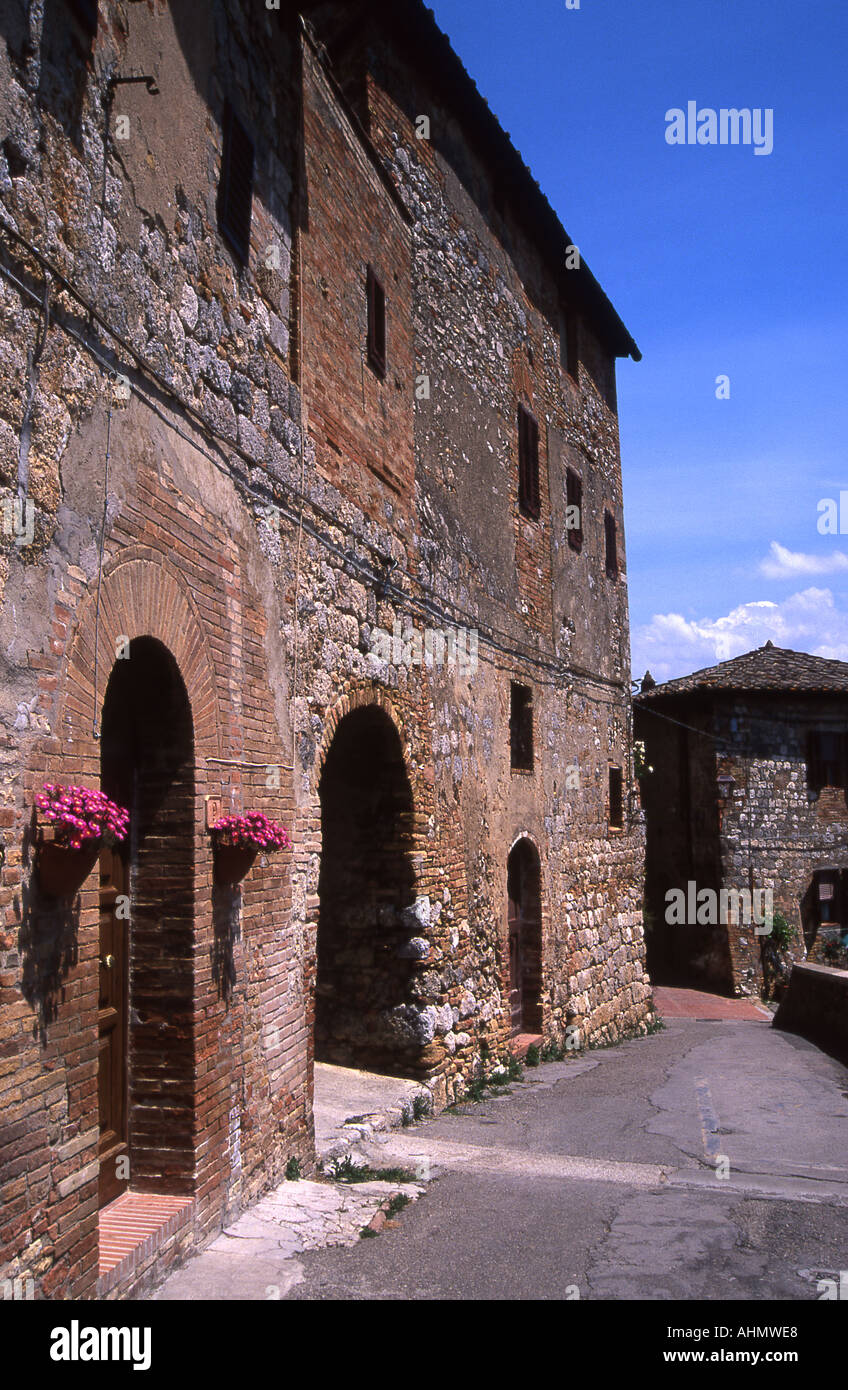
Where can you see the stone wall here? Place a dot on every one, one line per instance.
(765, 829)
(214, 464)
(777, 830)
(816, 1006)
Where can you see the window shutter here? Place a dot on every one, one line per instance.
(528, 464)
(616, 797)
(376, 323)
(574, 498)
(236, 191)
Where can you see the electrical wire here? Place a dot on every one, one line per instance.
(491, 637)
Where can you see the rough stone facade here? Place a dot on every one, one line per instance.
(223, 488)
(731, 803)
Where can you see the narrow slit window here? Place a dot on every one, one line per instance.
(520, 727)
(610, 545)
(528, 464)
(574, 512)
(376, 323)
(827, 759)
(569, 343)
(235, 202)
(616, 798)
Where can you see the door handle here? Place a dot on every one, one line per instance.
(107, 961)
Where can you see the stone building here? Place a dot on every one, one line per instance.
(748, 793)
(312, 506)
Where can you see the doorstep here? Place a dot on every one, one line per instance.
(131, 1230)
(522, 1042)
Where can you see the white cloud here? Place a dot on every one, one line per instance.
(781, 563)
(809, 621)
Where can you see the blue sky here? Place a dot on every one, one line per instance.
(720, 261)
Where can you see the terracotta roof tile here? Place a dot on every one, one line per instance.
(766, 668)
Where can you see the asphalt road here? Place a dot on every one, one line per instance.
(599, 1178)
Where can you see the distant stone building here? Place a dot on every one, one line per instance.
(311, 490)
(747, 794)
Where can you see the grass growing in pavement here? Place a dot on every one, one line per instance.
(345, 1170)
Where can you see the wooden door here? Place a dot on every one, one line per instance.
(515, 964)
(112, 1026)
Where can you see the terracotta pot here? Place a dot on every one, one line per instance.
(62, 870)
(232, 862)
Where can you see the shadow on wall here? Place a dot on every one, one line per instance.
(369, 937)
(48, 942)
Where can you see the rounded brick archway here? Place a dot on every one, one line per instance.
(139, 595)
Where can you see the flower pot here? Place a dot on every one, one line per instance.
(61, 870)
(232, 862)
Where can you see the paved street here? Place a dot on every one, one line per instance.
(598, 1177)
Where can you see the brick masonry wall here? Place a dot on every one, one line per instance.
(183, 562)
(270, 508)
(486, 318)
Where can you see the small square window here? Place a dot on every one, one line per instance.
(376, 323)
(520, 727)
(610, 546)
(616, 798)
(235, 194)
(574, 513)
(528, 464)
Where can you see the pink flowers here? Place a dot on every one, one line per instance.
(252, 830)
(81, 815)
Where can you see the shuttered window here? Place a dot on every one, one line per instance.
(376, 323)
(574, 502)
(610, 546)
(235, 200)
(528, 464)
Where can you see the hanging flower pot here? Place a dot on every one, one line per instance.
(73, 823)
(238, 839)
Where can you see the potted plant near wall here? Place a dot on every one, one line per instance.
(237, 840)
(72, 824)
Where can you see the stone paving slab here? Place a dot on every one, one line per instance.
(254, 1258)
(350, 1106)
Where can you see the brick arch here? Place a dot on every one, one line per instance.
(141, 595)
(355, 699)
(526, 835)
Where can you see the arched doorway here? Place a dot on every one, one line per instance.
(366, 892)
(524, 899)
(145, 1007)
